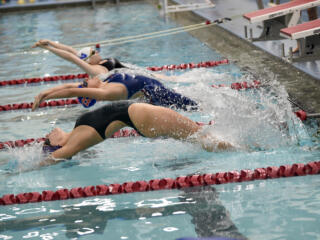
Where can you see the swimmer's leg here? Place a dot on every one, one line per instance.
(155, 121)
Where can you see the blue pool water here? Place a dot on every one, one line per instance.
(260, 121)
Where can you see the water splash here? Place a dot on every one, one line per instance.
(24, 158)
(255, 118)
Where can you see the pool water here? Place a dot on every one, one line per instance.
(259, 121)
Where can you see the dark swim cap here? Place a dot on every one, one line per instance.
(48, 148)
(85, 101)
(112, 63)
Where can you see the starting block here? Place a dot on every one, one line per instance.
(308, 36)
(278, 17)
(163, 4)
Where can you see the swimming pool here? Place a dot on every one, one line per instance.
(285, 208)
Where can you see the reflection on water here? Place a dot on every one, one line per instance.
(209, 217)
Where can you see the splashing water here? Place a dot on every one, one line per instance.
(24, 158)
(259, 118)
(255, 119)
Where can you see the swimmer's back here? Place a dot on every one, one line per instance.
(133, 83)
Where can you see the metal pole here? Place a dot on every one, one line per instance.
(282, 50)
(313, 115)
(260, 4)
(246, 32)
(165, 6)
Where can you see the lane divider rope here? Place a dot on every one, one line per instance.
(72, 101)
(155, 34)
(171, 67)
(121, 133)
(139, 37)
(23, 142)
(297, 169)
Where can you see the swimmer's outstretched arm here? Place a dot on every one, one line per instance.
(165, 77)
(66, 91)
(40, 97)
(92, 70)
(96, 93)
(55, 45)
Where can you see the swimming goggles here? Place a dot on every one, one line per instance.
(84, 84)
(48, 148)
(93, 52)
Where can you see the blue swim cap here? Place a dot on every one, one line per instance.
(85, 101)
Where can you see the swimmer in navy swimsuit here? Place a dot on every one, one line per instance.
(119, 86)
(150, 121)
(154, 91)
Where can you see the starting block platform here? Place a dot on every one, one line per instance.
(308, 36)
(278, 17)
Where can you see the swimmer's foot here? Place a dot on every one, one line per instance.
(214, 144)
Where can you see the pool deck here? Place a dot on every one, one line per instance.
(226, 8)
(301, 79)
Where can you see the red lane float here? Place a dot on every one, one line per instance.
(240, 85)
(53, 103)
(43, 79)
(84, 75)
(304, 116)
(189, 65)
(298, 169)
(23, 142)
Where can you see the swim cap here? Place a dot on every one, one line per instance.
(85, 101)
(49, 148)
(112, 63)
(85, 53)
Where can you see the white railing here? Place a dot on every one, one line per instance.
(183, 7)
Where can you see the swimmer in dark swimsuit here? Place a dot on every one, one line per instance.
(150, 121)
(119, 86)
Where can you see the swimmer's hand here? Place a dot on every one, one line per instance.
(41, 43)
(57, 137)
(37, 101)
(50, 161)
